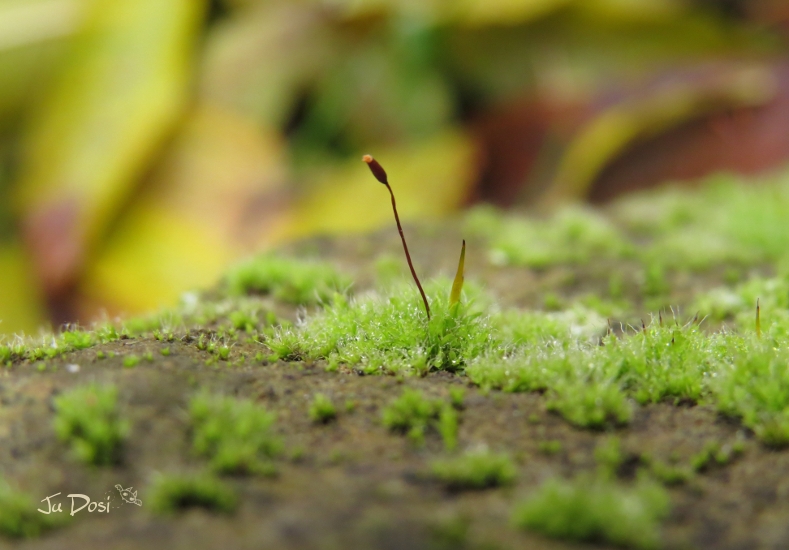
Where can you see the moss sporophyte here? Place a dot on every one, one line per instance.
(457, 286)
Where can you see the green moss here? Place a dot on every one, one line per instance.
(590, 404)
(389, 333)
(448, 427)
(456, 397)
(668, 474)
(173, 493)
(77, 339)
(19, 517)
(322, 410)
(88, 419)
(287, 279)
(550, 447)
(755, 388)
(573, 235)
(236, 435)
(478, 469)
(609, 456)
(131, 361)
(596, 510)
(411, 414)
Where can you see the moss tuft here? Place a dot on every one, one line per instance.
(174, 493)
(322, 410)
(477, 469)
(19, 517)
(597, 511)
(235, 434)
(87, 418)
(287, 279)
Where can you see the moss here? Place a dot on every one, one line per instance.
(477, 469)
(550, 447)
(88, 419)
(411, 414)
(290, 280)
(573, 235)
(668, 474)
(131, 361)
(591, 404)
(755, 388)
(322, 410)
(172, 493)
(448, 427)
(609, 456)
(597, 510)
(77, 339)
(236, 435)
(389, 333)
(456, 397)
(19, 517)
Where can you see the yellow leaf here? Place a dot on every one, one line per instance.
(121, 90)
(21, 304)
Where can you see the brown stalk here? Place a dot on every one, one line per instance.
(380, 175)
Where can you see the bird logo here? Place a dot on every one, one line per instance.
(128, 496)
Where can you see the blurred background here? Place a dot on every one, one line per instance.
(146, 144)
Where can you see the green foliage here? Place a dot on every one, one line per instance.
(589, 384)
(389, 333)
(755, 388)
(448, 427)
(411, 414)
(322, 410)
(77, 339)
(173, 493)
(235, 434)
(609, 456)
(19, 517)
(668, 474)
(590, 404)
(596, 510)
(456, 396)
(477, 469)
(573, 235)
(287, 279)
(131, 361)
(87, 418)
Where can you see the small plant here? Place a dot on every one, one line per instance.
(131, 361)
(456, 396)
(609, 456)
(667, 474)
(174, 493)
(18, 515)
(290, 280)
(550, 446)
(597, 511)
(322, 410)
(235, 434)
(410, 414)
(77, 339)
(479, 469)
(243, 320)
(165, 351)
(88, 419)
(448, 427)
(590, 404)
